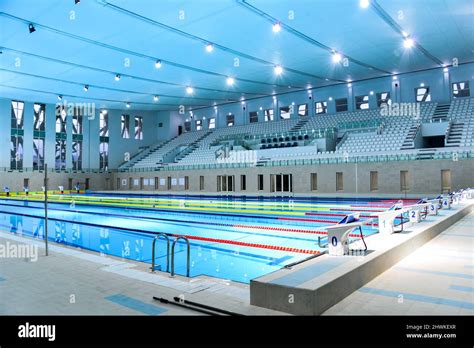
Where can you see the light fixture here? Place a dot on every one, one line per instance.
(292, 103)
(330, 98)
(261, 108)
(209, 47)
(117, 77)
(405, 34)
(349, 84)
(336, 57)
(371, 93)
(127, 105)
(77, 1)
(445, 69)
(230, 81)
(242, 102)
(189, 90)
(276, 27)
(278, 69)
(60, 97)
(422, 84)
(158, 64)
(31, 28)
(394, 78)
(86, 88)
(103, 111)
(155, 98)
(408, 42)
(364, 3)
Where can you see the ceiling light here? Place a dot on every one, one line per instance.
(117, 77)
(158, 64)
(278, 69)
(364, 3)
(349, 85)
(230, 81)
(86, 88)
(261, 108)
(408, 42)
(155, 98)
(31, 28)
(104, 111)
(189, 90)
(371, 93)
(276, 27)
(77, 1)
(336, 57)
(127, 105)
(422, 84)
(446, 69)
(209, 47)
(405, 34)
(330, 98)
(60, 97)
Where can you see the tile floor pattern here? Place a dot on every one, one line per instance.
(436, 279)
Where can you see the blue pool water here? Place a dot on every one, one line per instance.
(214, 234)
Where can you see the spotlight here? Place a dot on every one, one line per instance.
(336, 57)
(127, 105)
(117, 77)
(230, 81)
(446, 69)
(364, 3)
(158, 64)
(349, 85)
(189, 90)
(86, 88)
(155, 98)
(408, 42)
(394, 78)
(330, 98)
(278, 69)
(405, 34)
(371, 93)
(276, 27)
(77, 1)
(60, 97)
(209, 47)
(31, 28)
(422, 84)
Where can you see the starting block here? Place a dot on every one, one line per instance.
(387, 219)
(433, 207)
(338, 237)
(416, 210)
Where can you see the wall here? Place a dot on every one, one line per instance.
(356, 178)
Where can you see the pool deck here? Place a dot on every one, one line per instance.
(312, 287)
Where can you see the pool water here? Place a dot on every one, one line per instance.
(231, 239)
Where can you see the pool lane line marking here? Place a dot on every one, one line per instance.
(136, 305)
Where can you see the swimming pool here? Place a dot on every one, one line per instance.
(233, 239)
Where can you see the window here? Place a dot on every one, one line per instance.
(230, 120)
(198, 124)
(61, 136)
(404, 184)
(341, 105)
(186, 182)
(77, 140)
(321, 107)
(187, 126)
(201, 182)
(285, 112)
(303, 110)
(253, 117)
(374, 181)
(281, 183)
(138, 128)
(314, 181)
(17, 132)
(104, 124)
(362, 102)
(268, 115)
(339, 181)
(243, 182)
(125, 126)
(225, 183)
(39, 136)
(461, 89)
(160, 125)
(423, 94)
(383, 98)
(212, 123)
(260, 182)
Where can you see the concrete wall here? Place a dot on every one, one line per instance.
(424, 178)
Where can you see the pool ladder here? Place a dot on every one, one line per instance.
(164, 235)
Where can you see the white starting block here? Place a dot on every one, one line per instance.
(338, 237)
(433, 207)
(387, 219)
(456, 198)
(416, 210)
(446, 202)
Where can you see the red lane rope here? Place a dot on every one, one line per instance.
(282, 229)
(308, 220)
(254, 245)
(331, 214)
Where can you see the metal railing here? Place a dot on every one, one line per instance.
(167, 251)
(188, 254)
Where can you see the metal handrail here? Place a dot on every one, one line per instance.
(167, 251)
(188, 255)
